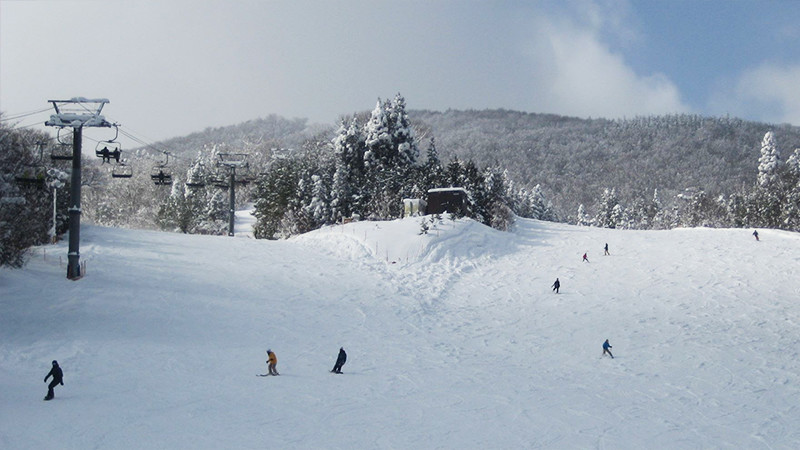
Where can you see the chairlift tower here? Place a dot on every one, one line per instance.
(76, 113)
(232, 161)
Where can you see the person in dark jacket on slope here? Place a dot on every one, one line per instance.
(556, 285)
(58, 378)
(606, 347)
(340, 360)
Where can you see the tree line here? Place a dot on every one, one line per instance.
(642, 173)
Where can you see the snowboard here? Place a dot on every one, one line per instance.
(265, 375)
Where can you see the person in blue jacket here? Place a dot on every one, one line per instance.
(606, 347)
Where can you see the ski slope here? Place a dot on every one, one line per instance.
(454, 339)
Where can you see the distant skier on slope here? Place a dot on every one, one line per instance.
(58, 378)
(606, 249)
(755, 233)
(556, 285)
(272, 361)
(585, 258)
(606, 347)
(340, 360)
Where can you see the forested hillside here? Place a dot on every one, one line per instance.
(574, 160)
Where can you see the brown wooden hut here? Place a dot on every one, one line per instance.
(453, 200)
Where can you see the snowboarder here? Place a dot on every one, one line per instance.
(606, 347)
(755, 233)
(58, 378)
(556, 285)
(340, 360)
(585, 258)
(272, 361)
(606, 249)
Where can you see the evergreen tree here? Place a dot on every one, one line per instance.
(402, 133)
(769, 162)
(348, 196)
(768, 197)
(379, 152)
(538, 205)
(341, 193)
(175, 214)
(454, 173)
(618, 217)
(432, 171)
(791, 207)
(318, 209)
(582, 217)
(607, 216)
(275, 192)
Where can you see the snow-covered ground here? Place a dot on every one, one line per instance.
(454, 340)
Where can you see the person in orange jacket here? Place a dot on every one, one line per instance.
(272, 361)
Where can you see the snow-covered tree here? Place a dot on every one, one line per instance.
(607, 213)
(25, 200)
(791, 207)
(379, 150)
(348, 179)
(431, 173)
(769, 162)
(582, 218)
(402, 133)
(318, 209)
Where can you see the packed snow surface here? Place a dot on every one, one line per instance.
(454, 339)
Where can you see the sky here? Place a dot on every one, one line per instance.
(174, 67)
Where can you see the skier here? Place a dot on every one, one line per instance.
(340, 360)
(272, 361)
(585, 258)
(606, 249)
(606, 347)
(755, 233)
(556, 285)
(58, 378)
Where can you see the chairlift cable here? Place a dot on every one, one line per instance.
(21, 115)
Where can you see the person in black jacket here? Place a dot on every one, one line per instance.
(556, 286)
(340, 360)
(58, 378)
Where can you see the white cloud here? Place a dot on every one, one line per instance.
(768, 92)
(578, 74)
